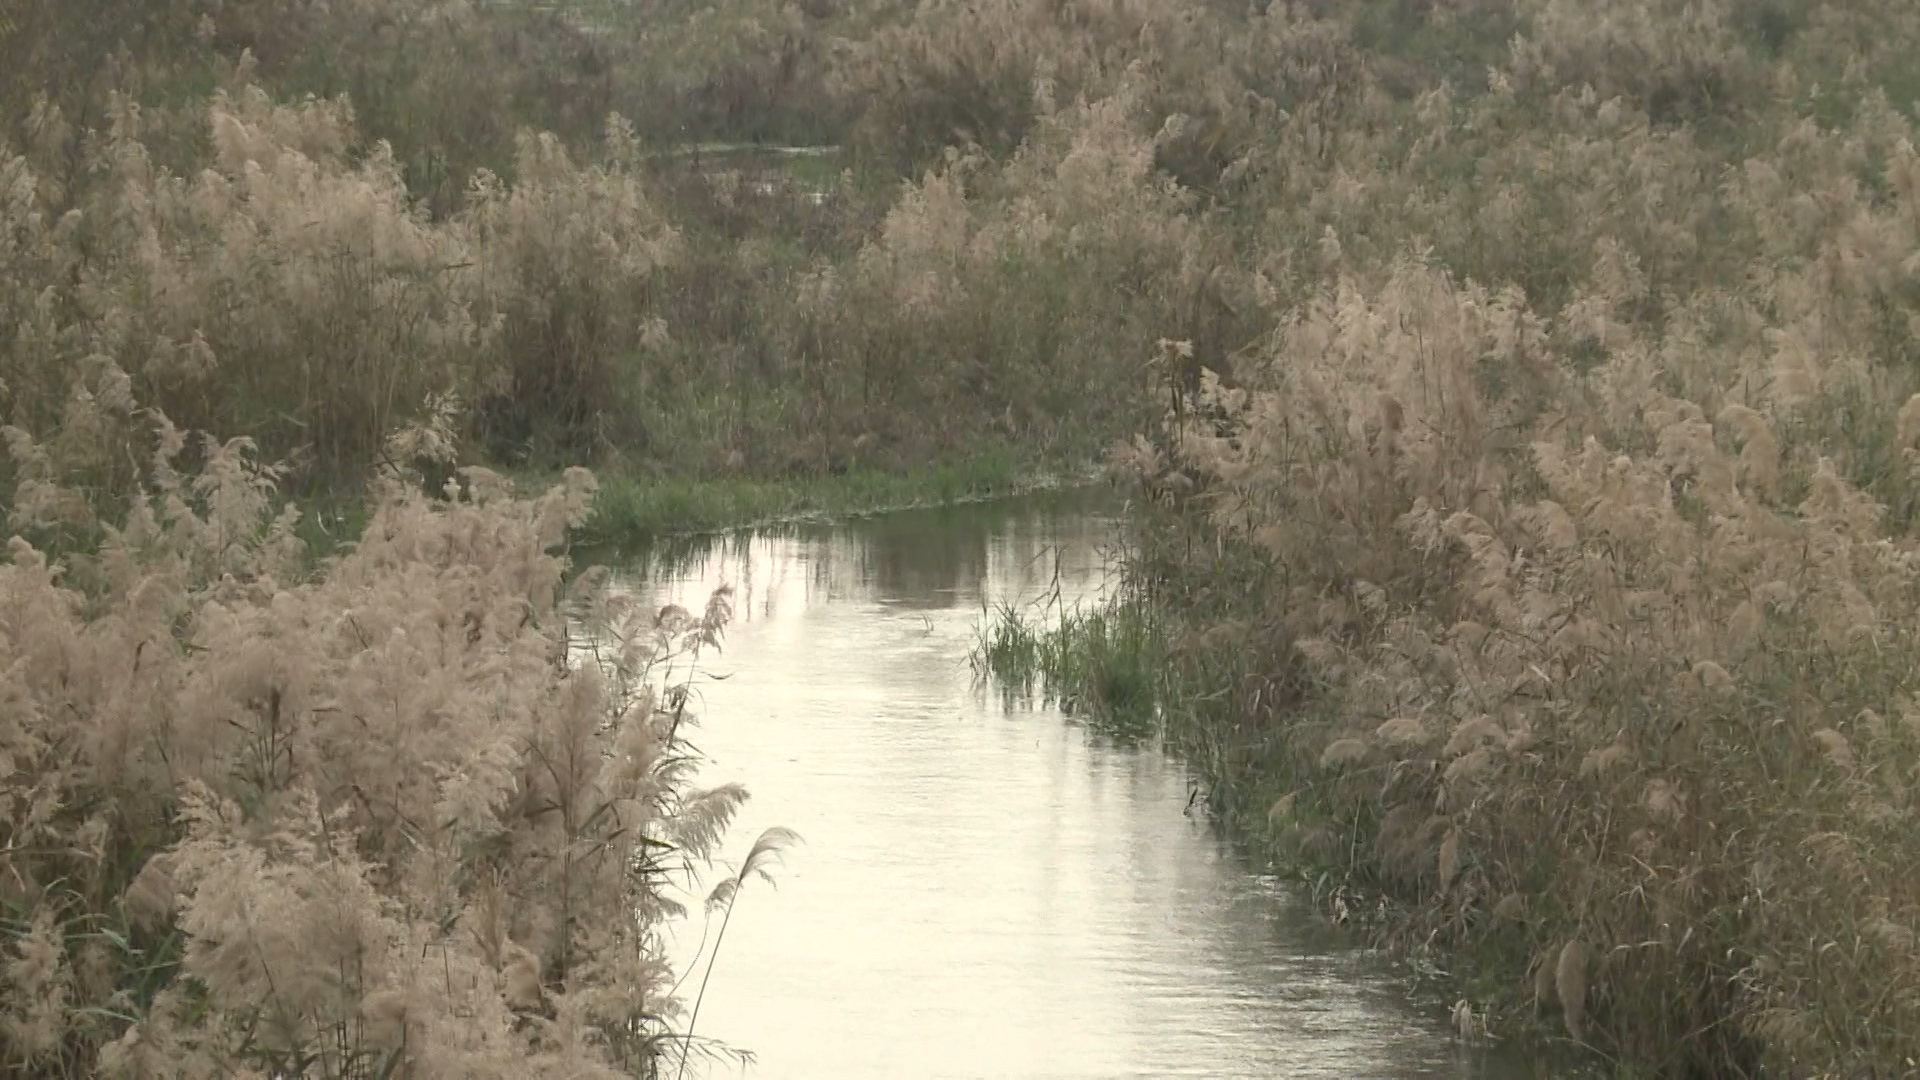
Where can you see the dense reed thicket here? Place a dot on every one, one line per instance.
(386, 820)
(193, 221)
(1527, 428)
(1547, 569)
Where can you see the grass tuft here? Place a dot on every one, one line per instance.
(1097, 664)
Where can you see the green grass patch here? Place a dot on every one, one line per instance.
(1099, 664)
(632, 508)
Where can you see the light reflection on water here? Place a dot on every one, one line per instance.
(985, 893)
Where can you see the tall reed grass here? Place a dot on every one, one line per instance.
(1566, 612)
(315, 271)
(1526, 467)
(1544, 569)
(390, 820)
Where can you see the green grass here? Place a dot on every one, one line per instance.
(633, 508)
(1100, 664)
(329, 523)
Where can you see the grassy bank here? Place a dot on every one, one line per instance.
(364, 822)
(289, 223)
(1548, 577)
(1115, 669)
(630, 508)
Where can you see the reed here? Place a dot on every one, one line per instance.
(1518, 398)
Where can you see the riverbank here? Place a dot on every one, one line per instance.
(191, 704)
(630, 508)
(1135, 669)
(1618, 771)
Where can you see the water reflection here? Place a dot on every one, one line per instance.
(985, 893)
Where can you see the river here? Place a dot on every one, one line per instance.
(987, 891)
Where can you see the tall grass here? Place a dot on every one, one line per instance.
(1525, 393)
(768, 849)
(315, 272)
(1542, 570)
(1563, 611)
(389, 821)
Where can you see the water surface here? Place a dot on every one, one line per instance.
(986, 892)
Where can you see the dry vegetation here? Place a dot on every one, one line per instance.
(193, 221)
(378, 822)
(1557, 551)
(1540, 553)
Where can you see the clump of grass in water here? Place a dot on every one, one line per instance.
(1098, 664)
(1008, 649)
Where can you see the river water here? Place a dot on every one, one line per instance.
(984, 891)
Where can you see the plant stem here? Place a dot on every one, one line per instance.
(686, 1045)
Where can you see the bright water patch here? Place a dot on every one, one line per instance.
(985, 893)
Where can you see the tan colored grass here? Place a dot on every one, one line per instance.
(385, 824)
(1624, 503)
(1566, 410)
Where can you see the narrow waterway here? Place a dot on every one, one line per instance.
(986, 892)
